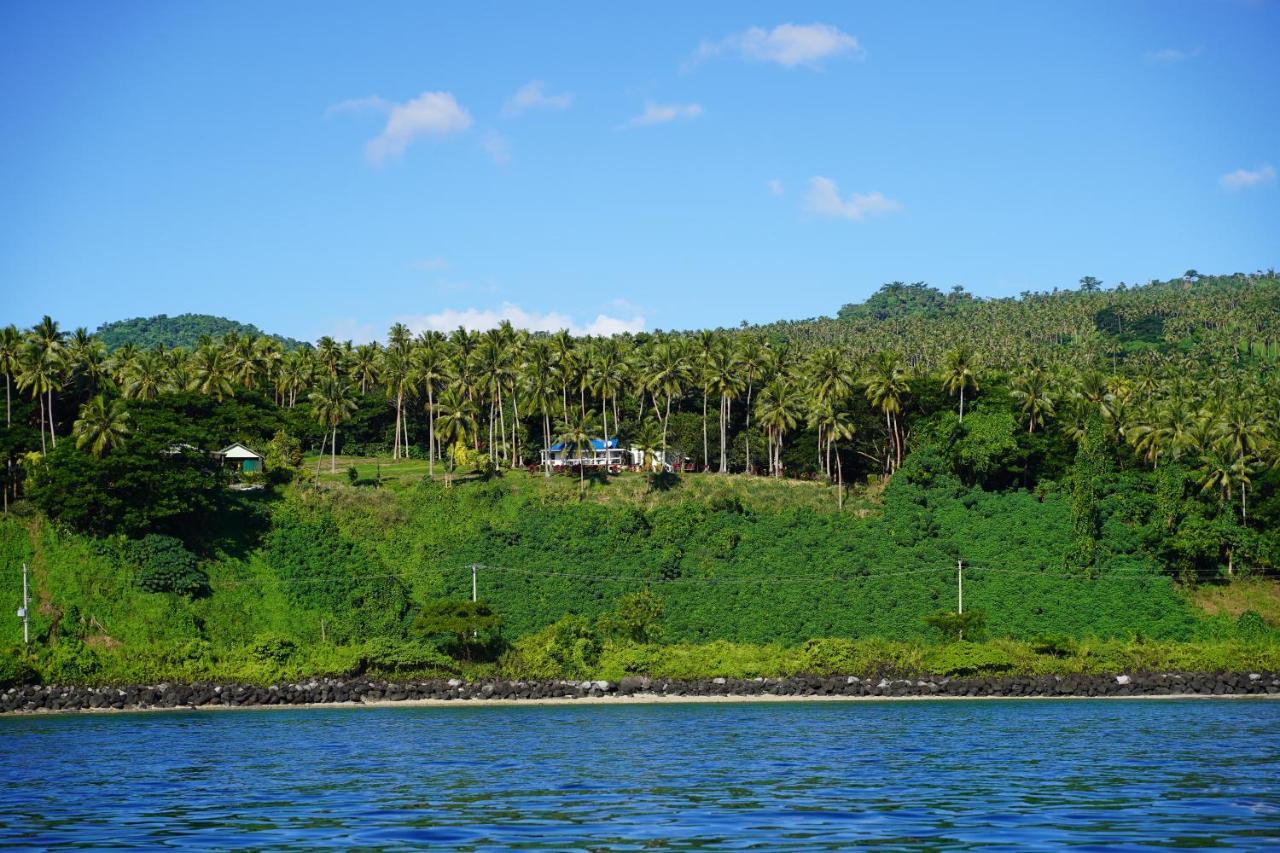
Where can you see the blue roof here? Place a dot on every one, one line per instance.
(596, 444)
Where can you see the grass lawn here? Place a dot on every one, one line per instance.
(1260, 595)
(763, 493)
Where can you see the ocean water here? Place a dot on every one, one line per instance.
(1021, 774)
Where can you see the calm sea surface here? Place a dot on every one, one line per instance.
(1101, 774)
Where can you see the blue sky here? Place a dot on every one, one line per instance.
(324, 169)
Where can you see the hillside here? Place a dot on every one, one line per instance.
(1099, 461)
(183, 330)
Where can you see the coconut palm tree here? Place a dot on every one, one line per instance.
(1032, 392)
(145, 378)
(778, 411)
(100, 427)
(456, 420)
(577, 434)
(958, 373)
(332, 404)
(10, 355)
(211, 373)
(886, 387)
(430, 357)
(397, 371)
(723, 380)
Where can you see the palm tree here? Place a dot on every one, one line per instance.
(40, 372)
(958, 374)
(10, 359)
(144, 378)
(364, 366)
(398, 375)
(430, 368)
(778, 411)
(721, 377)
(1031, 389)
(100, 427)
(648, 441)
(332, 405)
(665, 375)
(750, 359)
(886, 387)
(211, 373)
(838, 426)
(577, 434)
(455, 420)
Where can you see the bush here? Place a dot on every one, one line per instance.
(959, 626)
(569, 648)
(164, 565)
(16, 668)
(71, 662)
(965, 658)
(273, 649)
(1251, 626)
(382, 656)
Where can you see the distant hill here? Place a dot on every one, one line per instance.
(184, 330)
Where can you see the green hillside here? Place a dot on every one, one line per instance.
(1096, 459)
(183, 330)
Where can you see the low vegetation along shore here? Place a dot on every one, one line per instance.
(631, 688)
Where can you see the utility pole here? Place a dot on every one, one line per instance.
(22, 611)
(960, 586)
(473, 582)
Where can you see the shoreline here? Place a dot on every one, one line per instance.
(632, 690)
(635, 699)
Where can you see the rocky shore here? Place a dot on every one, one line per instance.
(329, 691)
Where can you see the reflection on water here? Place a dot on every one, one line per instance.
(769, 776)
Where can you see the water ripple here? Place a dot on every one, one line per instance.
(1094, 775)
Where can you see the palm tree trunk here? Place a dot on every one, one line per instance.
(333, 452)
(746, 437)
(8, 403)
(431, 432)
(53, 436)
(546, 442)
(515, 427)
(395, 441)
(705, 454)
(43, 448)
(502, 416)
(324, 437)
(839, 482)
(962, 403)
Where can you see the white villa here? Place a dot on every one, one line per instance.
(601, 454)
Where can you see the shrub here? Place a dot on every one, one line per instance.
(959, 626)
(382, 656)
(164, 565)
(1251, 626)
(965, 658)
(71, 662)
(273, 648)
(568, 648)
(461, 627)
(16, 668)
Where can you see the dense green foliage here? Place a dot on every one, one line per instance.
(1088, 455)
(183, 330)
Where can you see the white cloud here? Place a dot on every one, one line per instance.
(430, 114)
(495, 145)
(431, 264)
(350, 329)
(551, 321)
(1172, 54)
(358, 105)
(788, 45)
(823, 199)
(1244, 178)
(775, 186)
(661, 114)
(532, 96)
